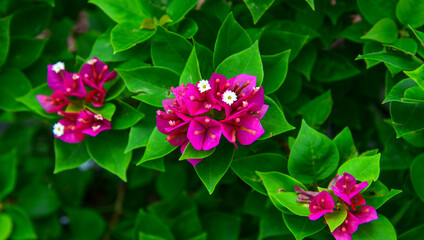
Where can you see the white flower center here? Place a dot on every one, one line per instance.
(229, 97)
(203, 86)
(58, 130)
(98, 117)
(95, 128)
(92, 61)
(58, 67)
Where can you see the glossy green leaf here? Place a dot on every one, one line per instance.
(407, 118)
(275, 71)
(377, 194)
(86, 223)
(123, 10)
(211, 169)
(127, 34)
(222, 226)
(333, 66)
(345, 145)
(125, 116)
(257, 8)
(414, 233)
(24, 51)
(103, 49)
(231, 39)
(288, 200)
(316, 111)
(384, 31)
(397, 93)
(274, 122)
(69, 156)
(274, 41)
(191, 72)
(31, 20)
(311, 3)
(6, 226)
(362, 168)
(187, 28)
(419, 35)
(39, 200)
(152, 83)
(302, 227)
(156, 164)
(313, 157)
(245, 62)
(11, 90)
(416, 171)
(409, 12)
(191, 153)
(107, 111)
(22, 225)
(276, 182)
(140, 133)
(381, 228)
(245, 168)
(304, 62)
(377, 9)
(271, 224)
(205, 58)
(417, 75)
(355, 31)
(177, 9)
(4, 39)
(144, 236)
(157, 147)
(407, 45)
(8, 172)
(152, 225)
(395, 58)
(170, 50)
(336, 218)
(107, 150)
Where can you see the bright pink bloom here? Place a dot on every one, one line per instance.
(349, 226)
(366, 214)
(69, 83)
(96, 97)
(204, 133)
(246, 129)
(357, 200)
(53, 103)
(95, 73)
(346, 187)
(66, 129)
(92, 123)
(320, 205)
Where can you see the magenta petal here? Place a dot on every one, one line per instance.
(71, 134)
(366, 214)
(261, 112)
(250, 129)
(112, 75)
(357, 200)
(196, 134)
(341, 235)
(204, 133)
(178, 136)
(179, 93)
(349, 226)
(55, 80)
(321, 204)
(167, 103)
(341, 194)
(245, 81)
(346, 187)
(53, 103)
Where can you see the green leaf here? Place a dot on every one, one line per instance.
(30, 100)
(157, 164)
(397, 92)
(24, 51)
(125, 116)
(85, 223)
(143, 236)
(187, 28)
(375, 10)
(416, 172)
(381, 228)
(11, 90)
(103, 49)
(222, 226)
(152, 225)
(173, 182)
(107, 111)
(313, 156)
(274, 122)
(157, 147)
(274, 41)
(384, 31)
(39, 200)
(409, 12)
(304, 62)
(377, 194)
(311, 3)
(362, 168)
(245, 62)
(152, 83)
(6, 226)
(4, 39)
(22, 225)
(107, 150)
(69, 156)
(288, 200)
(333, 66)
(316, 111)
(31, 20)
(211, 169)
(191, 153)
(120, 11)
(396, 58)
(345, 145)
(177, 9)
(414, 233)
(407, 117)
(245, 168)
(8, 172)
(170, 50)
(205, 58)
(191, 72)
(407, 45)
(271, 224)
(140, 133)
(302, 227)
(417, 75)
(231, 39)
(127, 34)
(275, 71)
(419, 35)
(257, 8)
(336, 218)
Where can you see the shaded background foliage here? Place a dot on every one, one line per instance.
(164, 198)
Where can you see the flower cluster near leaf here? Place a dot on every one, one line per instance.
(346, 192)
(201, 113)
(71, 100)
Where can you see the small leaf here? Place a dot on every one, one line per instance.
(377, 194)
(333, 66)
(6, 226)
(24, 51)
(191, 153)
(336, 218)
(85, 223)
(407, 117)
(152, 225)
(345, 145)
(274, 122)
(157, 147)
(102, 49)
(316, 111)
(127, 34)
(274, 41)
(362, 168)
(191, 72)
(8, 172)
(123, 10)
(409, 12)
(377, 9)
(407, 45)
(258, 7)
(177, 9)
(398, 91)
(39, 200)
(384, 31)
(395, 58)
(275, 71)
(125, 116)
(416, 171)
(106, 111)
(69, 156)
(12, 90)
(302, 227)
(417, 75)
(419, 35)
(4, 39)
(22, 225)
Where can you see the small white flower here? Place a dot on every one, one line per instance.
(92, 61)
(58, 130)
(98, 117)
(203, 86)
(58, 67)
(229, 97)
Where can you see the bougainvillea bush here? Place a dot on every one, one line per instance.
(212, 119)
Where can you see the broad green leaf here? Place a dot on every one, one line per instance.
(22, 225)
(191, 153)
(177, 9)
(417, 75)
(414, 94)
(152, 225)
(107, 111)
(397, 93)
(191, 72)
(333, 66)
(69, 156)
(375, 10)
(275, 71)
(355, 31)
(211, 169)
(414, 233)
(157, 147)
(313, 156)
(8, 172)
(173, 182)
(187, 28)
(378, 229)
(311, 3)
(302, 227)
(6, 226)
(416, 172)
(291, 88)
(245, 168)
(245, 62)
(409, 12)
(345, 145)
(336, 218)
(127, 34)
(304, 62)
(419, 35)
(274, 41)
(115, 90)
(120, 11)
(86, 223)
(274, 122)
(11, 90)
(205, 58)
(407, 45)
(107, 150)
(24, 51)
(271, 224)
(222, 226)
(395, 58)
(4, 39)
(377, 194)
(39, 200)
(293, 26)
(156, 164)
(152, 83)
(125, 116)
(257, 8)
(170, 50)
(103, 49)
(143, 236)
(140, 133)
(370, 47)
(30, 20)
(407, 117)
(288, 200)
(231, 39)
(276, 182)
(362, 168)
(316, 111)
(384, 31)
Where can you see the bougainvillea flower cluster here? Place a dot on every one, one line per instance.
(202, 112)
(71, 100)
(347, 194)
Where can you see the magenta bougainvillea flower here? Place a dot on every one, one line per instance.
(347, 194)
(202, 112)
(71, 88)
